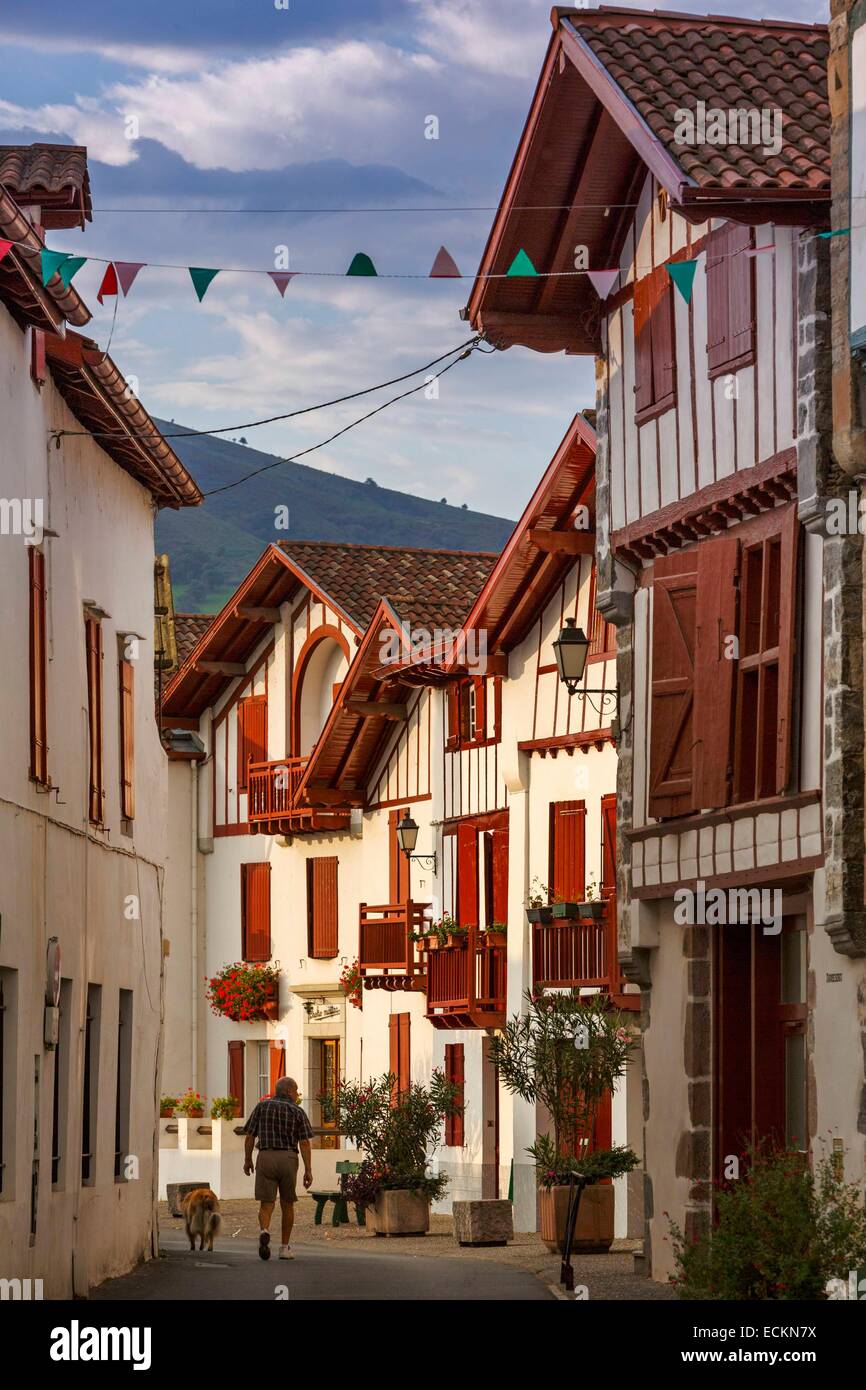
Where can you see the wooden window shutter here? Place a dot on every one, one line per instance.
(256, 912)
(453, 703)
(236, 1073)
(567, 874)
(93, 641)
(455, 1073)
(714, 688)
(276, 1062)
(38, 669)
(497, 708)
(717, 268)
(126, 696)
(38, 368)
(608, 844)
(399, 1060)
(252, 734)
(398, 865)
(741, 293)
(671, 781)
(322, 908)
(787, 644)
(500, 876)
(662, 334)
(480, 730)
(643, 352)
(467, 875)
(464, 729)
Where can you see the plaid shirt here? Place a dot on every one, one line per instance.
(278, 1124)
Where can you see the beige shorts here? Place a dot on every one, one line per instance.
(276, 1171)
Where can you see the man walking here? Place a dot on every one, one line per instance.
(282, 1128)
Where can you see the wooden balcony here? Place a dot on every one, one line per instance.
(273, 805)
(570, 953)
(466, 984)
(386, 957)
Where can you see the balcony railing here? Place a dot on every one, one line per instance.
(387, 958)
(580, 954)
(273, 805)
(466, 983)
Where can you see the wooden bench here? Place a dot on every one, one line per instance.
(341, 1205)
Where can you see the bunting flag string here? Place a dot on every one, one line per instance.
(521, 265)
(5, 248)
(109, 284)
(682, 274)
(282, 279)
(361, 265)
(201, 278)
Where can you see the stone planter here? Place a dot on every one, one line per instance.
(399, 1212)
(486, 1222)
(593, 1233)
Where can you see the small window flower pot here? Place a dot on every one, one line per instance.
(197, 1114)
(493, 939)
(567, 911)
(539, 914)
(455, 938)
(592, 912)
(433, 943)
(167, 1114)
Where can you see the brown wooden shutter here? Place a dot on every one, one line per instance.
(93, 642)
(322, 917)
(497, 708)
(38, 369)
(252, 734)
(467, 875)
(256, 912)
(38, 669)
(643, 352)
(236, 1073)
(662, 332)
(787, 644)
(399, 1060)
(465, 730)
(126, 695)
(608, 844)
(715, 620)
(567, 875)
(717, 269)
(500, 877)
(671, 783)
(276, 1062)
(480, 730)
(731, 310)
(453, 706)
(455, 1073)
(398, 864)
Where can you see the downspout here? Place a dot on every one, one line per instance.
(193, 916)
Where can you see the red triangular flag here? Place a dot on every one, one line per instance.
(109, 283)
(282, 279)
(126, 273)
(5, 248)
(444, 266)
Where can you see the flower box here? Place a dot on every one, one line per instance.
(593, 1231)
(591, 911)
(399, 1211)
(433, 942)
(565, 910)
(539, 914)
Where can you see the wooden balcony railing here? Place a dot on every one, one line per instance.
(580, 954)
(273, 805)
(387, 958)
(466, 984)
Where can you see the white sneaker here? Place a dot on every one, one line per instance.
(286, 1252)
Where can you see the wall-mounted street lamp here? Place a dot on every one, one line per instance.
(571, 649)
(407, 839)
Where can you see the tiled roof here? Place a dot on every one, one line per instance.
(188, 628)
(430, 587)
(54, 176)
(665, 62)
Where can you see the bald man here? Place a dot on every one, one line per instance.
(282, 1129)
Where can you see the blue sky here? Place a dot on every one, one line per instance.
(239, 104)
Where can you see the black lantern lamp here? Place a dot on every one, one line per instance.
(407, 839)
(571, 649)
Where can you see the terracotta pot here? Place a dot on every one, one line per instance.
(194, 1114)
(593, 1233)
(166, 1114)
(432, 943)
(271, 1010)
(399, 1212)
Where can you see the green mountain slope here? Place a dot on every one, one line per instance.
(212, 547)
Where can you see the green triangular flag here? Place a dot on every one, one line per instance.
(70, 266)
(201, 278)
(361, 265)
(51, 263)
(683, 275)
(522, 265)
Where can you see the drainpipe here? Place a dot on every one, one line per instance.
(193, 915)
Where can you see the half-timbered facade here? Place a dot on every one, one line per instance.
(737, 911)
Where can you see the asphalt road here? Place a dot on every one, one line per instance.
(235, 1272)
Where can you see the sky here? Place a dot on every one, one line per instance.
(198, 115)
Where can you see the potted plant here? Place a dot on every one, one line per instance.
(568, 1053)
(166, 1107)
(564, 911)
(495, 935)
(397, 1131)
(455, 934)
(245, 992)
(592, 909)
(225, 1108)
(352, 983)
(537, 903)
(191, 1105)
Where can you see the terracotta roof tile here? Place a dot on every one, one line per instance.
(188, 629)
(665, 62)
(53, 176)
(425, 587)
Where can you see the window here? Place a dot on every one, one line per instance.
(322, 908)
(93, 642)
(602, 635)
(90, 1085)
(654, 345)
(567, 867)
(60, 1103)
(38, 669)
(252, 733)
(126, 698)
(730, 299)
(495, 843)
(325, 1078)
(399, 1060)
(454, 1072)
(123, 1083)
(256, 912)
(467, 702)
(235, 1080)
(263, 1078)
(608, 845)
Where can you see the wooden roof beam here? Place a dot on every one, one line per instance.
(257, 615)
(563, 542)
(377, 709)
(221, 668)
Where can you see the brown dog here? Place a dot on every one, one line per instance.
(201, 1215)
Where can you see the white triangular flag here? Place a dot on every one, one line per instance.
(602, 281)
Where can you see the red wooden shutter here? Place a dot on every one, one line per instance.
(500, 876)
(277, 1062)
(467, 875)
(398, 864)
(671, 783)
(643, 352)
(399, 1060)
(715, 620)
(453, 701)
(256, 911)
(252, 732)
(608, 844)
(662, 333)
(38, 669)
(787, 643)
(38, 369)
(404, 1024)
(741, 292)
(480, 730)
(322, 908)
(236, 1073)
(718, 266)
(455, 1073)
(465, 730)
(93, 641)
(567, 876)
(126, 695)
(497, 708)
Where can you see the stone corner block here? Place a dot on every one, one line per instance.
(486, 1222)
